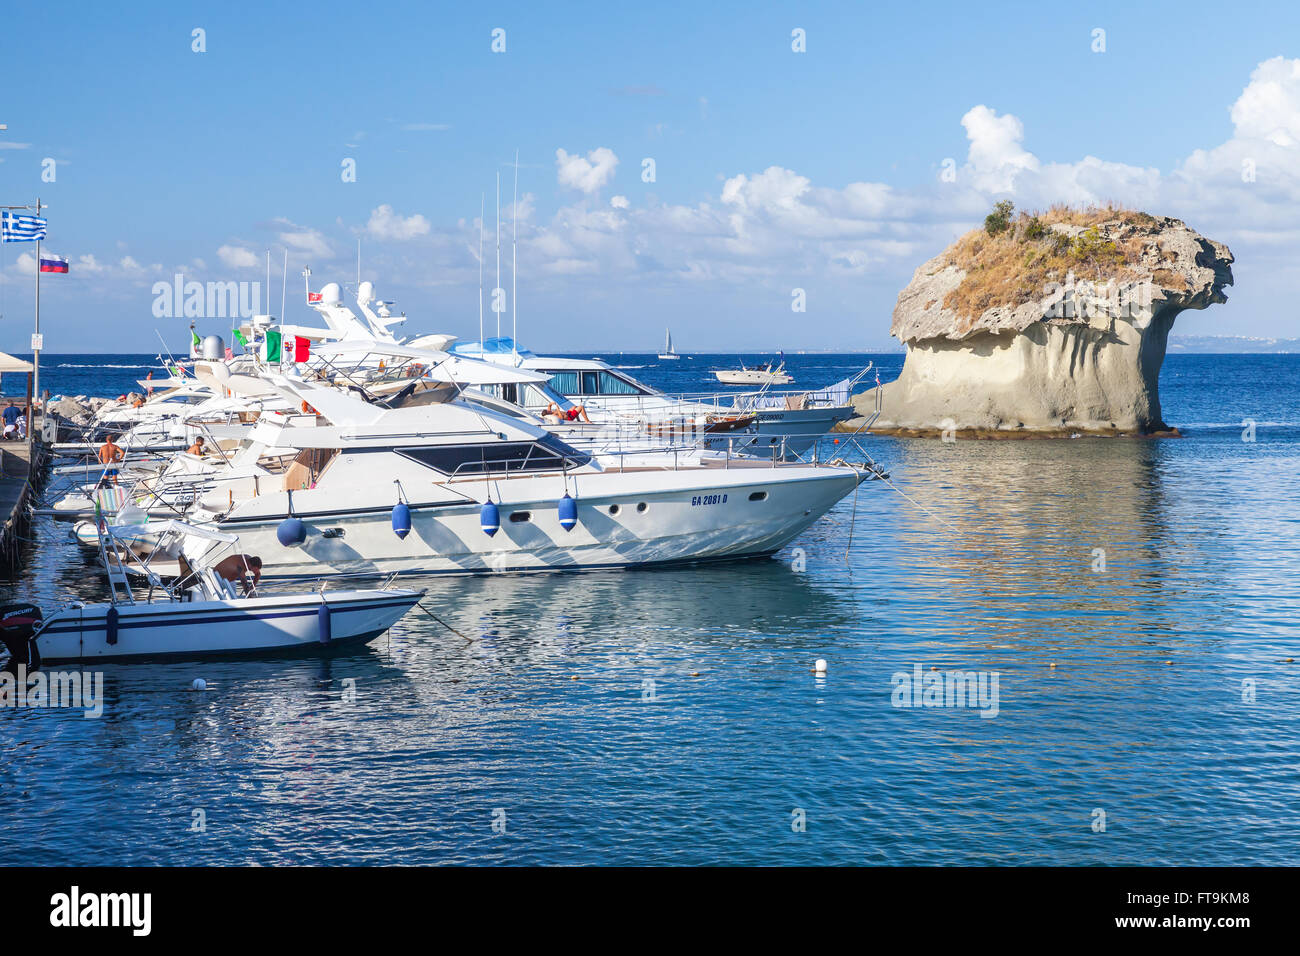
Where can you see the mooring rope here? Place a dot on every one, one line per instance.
(922, 507)
(468, 640)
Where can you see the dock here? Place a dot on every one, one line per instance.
(22, 462)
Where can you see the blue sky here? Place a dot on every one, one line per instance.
(775, 170)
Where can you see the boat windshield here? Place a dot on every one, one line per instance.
(513, 457)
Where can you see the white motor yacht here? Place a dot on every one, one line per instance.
(425, 482)
(768, 374)
(758, 422)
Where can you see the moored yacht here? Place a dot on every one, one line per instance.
(427, 483)
(785, 422)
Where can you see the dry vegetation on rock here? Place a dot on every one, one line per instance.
(1013, 258)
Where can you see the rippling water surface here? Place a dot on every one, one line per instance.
(672, 717)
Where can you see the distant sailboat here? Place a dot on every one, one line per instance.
(668, 354)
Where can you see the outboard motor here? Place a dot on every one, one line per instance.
(18, 626)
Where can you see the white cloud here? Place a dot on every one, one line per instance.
(303, 239)
(10, 145)
(586, 174)
(237, 257)
(1269, 107)
(619, 202)
(386, 224)
(996, 155)
(524, 209)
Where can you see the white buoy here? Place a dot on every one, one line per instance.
(199, 684)
(820, 666)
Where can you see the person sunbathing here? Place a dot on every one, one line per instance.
(556, 415)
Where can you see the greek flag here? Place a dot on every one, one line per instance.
(16, 228)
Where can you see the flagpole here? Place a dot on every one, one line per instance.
(36, 353)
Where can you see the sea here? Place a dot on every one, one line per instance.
(1121, 614)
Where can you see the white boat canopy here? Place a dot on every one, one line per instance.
(442, 366)
(170, 526)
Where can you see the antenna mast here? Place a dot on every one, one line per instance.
(514, 265)
(496, 302)
(482, 204)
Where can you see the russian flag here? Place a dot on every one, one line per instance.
(53, 263)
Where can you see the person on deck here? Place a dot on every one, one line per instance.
(557, 415)
(109, 455)
(196, 448)
(236, 569)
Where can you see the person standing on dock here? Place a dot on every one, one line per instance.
(109, 455)
(11, 416)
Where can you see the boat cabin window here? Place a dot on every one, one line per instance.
(527, 395)
(546, 454)
(566, 383)
(593, 382)
(617, 385)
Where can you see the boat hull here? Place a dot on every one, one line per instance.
(274, 624)
(741, 377)
(726, 514)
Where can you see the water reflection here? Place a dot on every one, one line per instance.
(1051, 537)
(670, 716)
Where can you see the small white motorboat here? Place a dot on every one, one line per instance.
(198, 616)
(768, 374)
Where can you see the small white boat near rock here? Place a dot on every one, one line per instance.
(768, 374)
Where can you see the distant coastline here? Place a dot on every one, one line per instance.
(1183, 344)
(1232, 345)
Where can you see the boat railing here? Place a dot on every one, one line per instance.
(766, 398)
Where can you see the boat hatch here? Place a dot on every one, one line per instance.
(307, 468)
